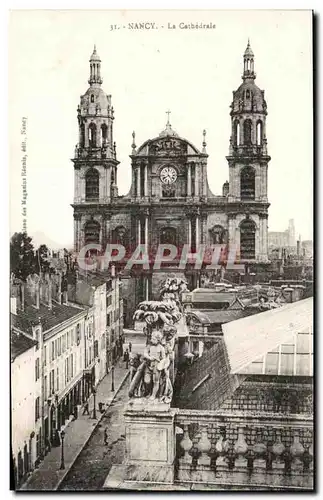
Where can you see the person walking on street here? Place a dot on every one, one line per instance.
(130, 346)
(126, 358)
(105, 436)
(86, 409)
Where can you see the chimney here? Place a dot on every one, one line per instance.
(49, 292)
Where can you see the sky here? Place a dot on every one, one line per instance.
(191, 72)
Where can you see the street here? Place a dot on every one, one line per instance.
(93, 464)
(91, 468)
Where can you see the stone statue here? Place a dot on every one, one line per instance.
(152, 373)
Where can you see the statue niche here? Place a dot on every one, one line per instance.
(120, 236)
(217, 235)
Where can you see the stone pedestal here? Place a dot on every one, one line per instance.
(150, 445)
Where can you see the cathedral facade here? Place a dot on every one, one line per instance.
(170, 200)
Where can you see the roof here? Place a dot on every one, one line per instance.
(279, 341)
(211, 316)
(19, 344)
(49, 318)
(207, 383)
(211, 295)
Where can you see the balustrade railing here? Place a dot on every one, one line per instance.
(261, 451)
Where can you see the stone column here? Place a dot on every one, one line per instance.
(82, 187)
(138, 183)
(257, 240)
(263, 237)
(197, 176)
(108, 228)
(76, 183)
(237, 182)
(258, 186)
(197, 232)
(204, 178)
(75, 235)
(231, 231)
(139, 232)
(146, 180)
(189, 232)
(203, 227)
(189, 180)
(104, 184)
(108, 181)
(146, 233)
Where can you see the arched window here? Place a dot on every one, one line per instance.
(92, 232)
(248, 94)
(92, 183)
(259, 133)
(82, 135)
(92, 135)
(217, 235)
(247, 130)
(247, 183)
(248, 64)
(247, 239)
(92, 98)
(104, 134)
(168, 235)
(236, 133)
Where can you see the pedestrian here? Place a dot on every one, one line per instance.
(86, 409)
(105, 436)
(130, 346)
(75, 412)
(126, 358)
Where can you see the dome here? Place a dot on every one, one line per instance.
(95, 98)
(168, 131)
(251, 95)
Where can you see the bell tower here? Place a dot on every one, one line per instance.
(95, 161)
(248, 167)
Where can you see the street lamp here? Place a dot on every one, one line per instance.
(62, 451)
(94, 402)
(112, 379)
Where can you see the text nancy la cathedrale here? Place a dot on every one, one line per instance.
(169, 26)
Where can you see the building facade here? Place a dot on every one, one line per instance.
(61, 336)
(24, 392)
(170, 201)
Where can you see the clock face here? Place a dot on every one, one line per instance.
(168, 175)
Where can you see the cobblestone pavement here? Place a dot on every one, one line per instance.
(91, 468)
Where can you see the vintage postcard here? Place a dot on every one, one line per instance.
(161, 250)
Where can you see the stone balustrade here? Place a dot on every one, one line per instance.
(244, 449)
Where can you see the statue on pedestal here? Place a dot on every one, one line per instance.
(152, 378)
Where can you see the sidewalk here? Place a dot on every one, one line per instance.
(48, 476)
